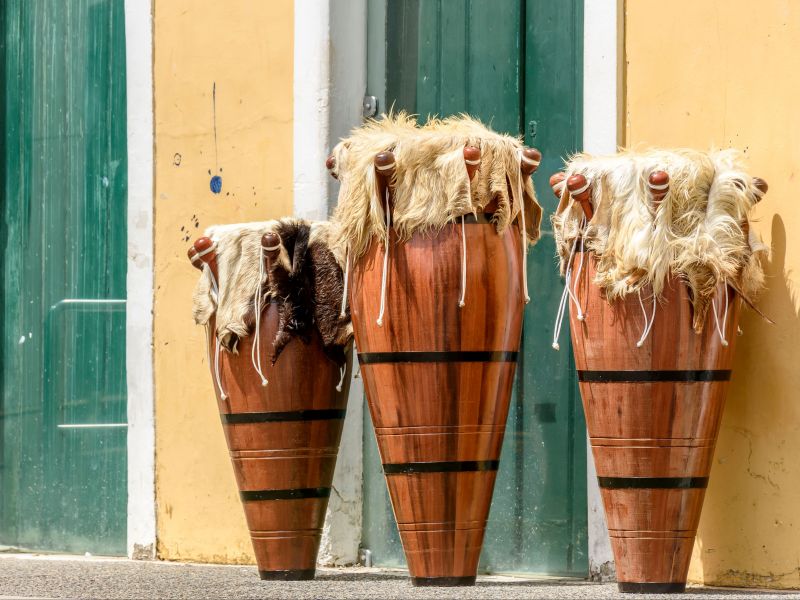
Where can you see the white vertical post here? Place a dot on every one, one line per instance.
(139, 314)
(329, 84)
(312, 96)
(602, 122)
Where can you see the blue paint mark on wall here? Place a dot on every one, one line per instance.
(216, 184)
(216, 181)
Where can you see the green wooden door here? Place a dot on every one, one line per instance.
(517, 65)
(63, 258)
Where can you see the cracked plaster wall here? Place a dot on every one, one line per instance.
(721, 73)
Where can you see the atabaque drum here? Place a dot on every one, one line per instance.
(654, 355)
(437, 324)
(282, 417)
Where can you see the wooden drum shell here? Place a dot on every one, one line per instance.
(653, 414)
(283, 440)
(438, 380)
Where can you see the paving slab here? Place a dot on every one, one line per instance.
(56, 576)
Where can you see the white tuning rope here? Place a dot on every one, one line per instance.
(342, 371)
(200, 255)
(461, 302)
(721, 330)
(215, 290)
(648, 323)
(208, 352)
(255, 351)
(559, 318)
(573, 289)
(222, 393)
(526, 297)
(214, 286)
(343, 312)
(385, 263)
(562, 305)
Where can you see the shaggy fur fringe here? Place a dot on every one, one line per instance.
(700, 230)
(431, 186)
(306, 280)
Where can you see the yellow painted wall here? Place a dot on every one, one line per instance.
(724, 72)
(246, 48)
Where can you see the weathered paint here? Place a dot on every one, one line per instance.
(63, 172)
(718, 73)
(246, 49)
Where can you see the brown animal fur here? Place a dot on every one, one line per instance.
(306, 280)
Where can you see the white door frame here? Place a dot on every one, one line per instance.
(603, 120)
(139, 314)
(330, 71)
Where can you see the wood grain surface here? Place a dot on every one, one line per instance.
(283, 440)
(438, 379)
(653, 414)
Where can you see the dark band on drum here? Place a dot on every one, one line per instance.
(457, 466)
(288, 575)
(476, 219)
(372, 358)
(652, 483)
(292, 494)
(687, 376)
(442, 581)
(322, 414)
(648, 587)
(581, 248)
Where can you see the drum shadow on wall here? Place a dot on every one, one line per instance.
(750, 463)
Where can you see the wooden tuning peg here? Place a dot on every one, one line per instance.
(557, 183)
(531, 158)
(658, 186)
(472, 160)
(581, 192)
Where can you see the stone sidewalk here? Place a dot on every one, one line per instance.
(50, 576)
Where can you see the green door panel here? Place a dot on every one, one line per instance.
(63, 409)
(518, 67)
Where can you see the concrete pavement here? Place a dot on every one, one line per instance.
(51, 576)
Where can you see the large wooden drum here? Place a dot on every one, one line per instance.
(438, 379)
(653, 406)
(283, 440)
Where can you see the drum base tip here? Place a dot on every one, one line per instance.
(629, 587)
(288, 575)
(443, 581)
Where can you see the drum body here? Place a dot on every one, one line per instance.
(438, 380)
(283, 440)
(653, 414)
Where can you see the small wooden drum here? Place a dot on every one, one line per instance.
(283, 436)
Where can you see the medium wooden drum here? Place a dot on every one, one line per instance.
(283, 439)
(433, 219)
(438, 380)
